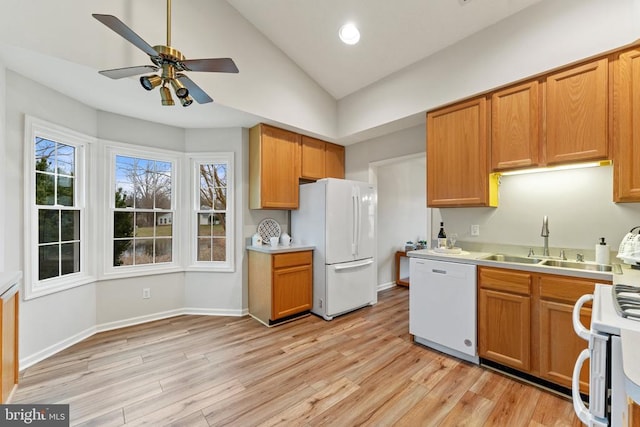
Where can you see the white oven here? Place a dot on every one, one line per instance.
(607, 395)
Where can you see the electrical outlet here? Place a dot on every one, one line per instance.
(146, 293)
(475, 230)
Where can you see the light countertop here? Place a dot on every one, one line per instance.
(8, 279)
(268, 249)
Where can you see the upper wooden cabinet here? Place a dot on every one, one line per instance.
(515, 126)
(576, 115)
(274, 168)
(320, 159)
(334, 160)
(457, 155)
(626, 134)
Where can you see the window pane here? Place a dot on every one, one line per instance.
(122, 252)
(163, 185)
(65, 191)
(48, 262)
(144, 182)
(125, 174)
(122, 224)
(164, 225)
(163, 250)
(220, 203)
(219, 249)
(70, 257)
(144, 224)
(205, 221)
(204, 249)
(48, 226)
(219, 227)
(221, 175)
(70, 225)
(143, 251)
(66, 160)
(45, 189)
(45, 155)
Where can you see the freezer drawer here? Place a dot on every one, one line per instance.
(350, 285)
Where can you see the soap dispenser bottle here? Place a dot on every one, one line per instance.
(602, 252)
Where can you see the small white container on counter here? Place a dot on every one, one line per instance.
(602, 252)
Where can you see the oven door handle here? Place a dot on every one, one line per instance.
(580, 329)
(578, 406)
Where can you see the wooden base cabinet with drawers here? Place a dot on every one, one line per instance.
(524, 322)
(280, 285)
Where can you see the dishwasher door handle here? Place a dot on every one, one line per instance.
(438, 271)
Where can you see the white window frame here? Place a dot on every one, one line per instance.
(195, 160)
(113, 149)
(33, 287)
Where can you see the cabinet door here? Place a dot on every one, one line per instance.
(312, 158)
(9, 350)
(577, 113)
(560, 345)
(280, 168)
(334, 161)
(291, 291)
(626, 179)
(515, 127)
(504, 331)
(457, 155)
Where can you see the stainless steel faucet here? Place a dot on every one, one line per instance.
(545, 234)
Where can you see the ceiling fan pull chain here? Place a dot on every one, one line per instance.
(168, 22)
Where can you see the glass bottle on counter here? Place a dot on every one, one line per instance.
(442, 237)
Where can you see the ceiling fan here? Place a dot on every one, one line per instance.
(168, 59)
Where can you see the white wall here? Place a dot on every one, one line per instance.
(402, 210)
(546, 35)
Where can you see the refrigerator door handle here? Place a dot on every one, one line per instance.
(353, 265)
(354, 231)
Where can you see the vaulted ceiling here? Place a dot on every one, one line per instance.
(294, 70)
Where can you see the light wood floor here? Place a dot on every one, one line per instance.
(359, 369)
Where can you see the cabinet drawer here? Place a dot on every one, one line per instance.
(291, 259)
(505, 280)
(565, 289)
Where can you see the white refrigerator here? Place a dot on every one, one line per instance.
(338, 217)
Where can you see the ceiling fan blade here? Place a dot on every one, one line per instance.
(127, 33)
(194, 90)
(220, 65)
(119, 73)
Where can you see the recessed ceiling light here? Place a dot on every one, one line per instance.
(349, 34)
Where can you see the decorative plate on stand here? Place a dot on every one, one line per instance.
(268, 228)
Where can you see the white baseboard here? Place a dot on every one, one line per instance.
(31, 360)
(24, 363)
(385, 286)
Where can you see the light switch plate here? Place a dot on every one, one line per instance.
(475, 230)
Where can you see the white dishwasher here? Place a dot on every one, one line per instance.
(442, 306)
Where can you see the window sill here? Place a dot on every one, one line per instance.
(31, 292)
(127, 272)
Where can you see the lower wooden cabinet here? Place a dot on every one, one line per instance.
(504, 317)
(525, 322)
(280, 285)
(9, 349)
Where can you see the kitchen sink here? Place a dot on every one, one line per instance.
(577, 265)
(511, 258)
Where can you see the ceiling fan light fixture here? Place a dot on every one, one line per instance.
(349, 34)
(150, 82)
(180, 89)
(165, 94)
(186, 101)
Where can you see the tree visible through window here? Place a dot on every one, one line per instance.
(58, 215)
(212, 212)
(143, 215)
